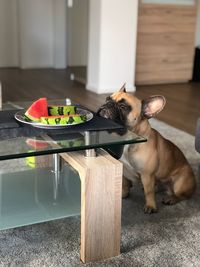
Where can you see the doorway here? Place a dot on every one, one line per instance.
(77, 35)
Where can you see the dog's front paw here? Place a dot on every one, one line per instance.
(148, 209)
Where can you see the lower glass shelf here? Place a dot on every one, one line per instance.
(38, 195)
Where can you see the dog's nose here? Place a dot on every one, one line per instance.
(102, 113)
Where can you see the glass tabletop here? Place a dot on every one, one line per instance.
(64, 141)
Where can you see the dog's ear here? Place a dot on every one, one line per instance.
(123, 88)
(152, 106)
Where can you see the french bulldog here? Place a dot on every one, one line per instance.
(157, 159)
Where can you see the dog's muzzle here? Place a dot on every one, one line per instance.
(103, 112)
(108, 111)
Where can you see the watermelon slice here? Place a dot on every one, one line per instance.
(38, 109)
(61, 110)
(64, 119)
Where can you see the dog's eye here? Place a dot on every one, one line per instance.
(123, 106)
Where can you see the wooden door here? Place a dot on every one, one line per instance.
(165, 43)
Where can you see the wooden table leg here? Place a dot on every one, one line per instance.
(101, 190)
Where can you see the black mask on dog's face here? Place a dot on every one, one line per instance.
(116, 111)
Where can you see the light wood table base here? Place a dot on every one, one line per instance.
(101, 198)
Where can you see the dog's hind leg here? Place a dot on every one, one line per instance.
(182, 187)
(126, 185)
(169, 198)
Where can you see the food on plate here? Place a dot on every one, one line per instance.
(64, 119)
(37, 110)
(61, 110)
(40, 112)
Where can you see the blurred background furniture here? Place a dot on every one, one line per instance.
(197, 141)
(196, 67)
(0, 97)
(197, 137)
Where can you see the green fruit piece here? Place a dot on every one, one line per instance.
(61, 110)
(71, 143)
(63, 120)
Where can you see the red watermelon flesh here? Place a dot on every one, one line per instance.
(38, 144)
(37, 110)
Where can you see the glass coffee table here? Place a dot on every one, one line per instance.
(48, 175)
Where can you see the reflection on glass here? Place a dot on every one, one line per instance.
(28, 196)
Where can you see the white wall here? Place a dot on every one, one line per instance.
(36, 33)
(8, 34)
(77, 19)
(60, 33)
(112, 45)
(33, 33)
(197, 39)
(94, 46)
(112, 38)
